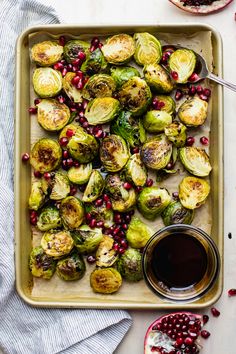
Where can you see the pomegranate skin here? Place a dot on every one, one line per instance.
(202, 9)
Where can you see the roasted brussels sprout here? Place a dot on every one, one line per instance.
(99, 85)
(40, 264)
(168, 104)
(193, 192)
(72, 92)
(183, 62)
(71, 268)
(147, 49)
(138, 233)
(176, 133)
(73, 48)
(49, 218)
(57, 243)
(195, 160)
(45, 155)
(94, 187)
(135, 171)
(126, 203)
(52, 115)
(102, 110)
(176, 213)
(105, 281)
(135, 95)
(82, 147)
(193, 112)
(130, 265)
(37, 196)
(119, 49)
(94, 63)
(156, 121)
(106, 256)
(152, 201)
(158, 78)
(121, 74)
(114, 153)
(46, 53)
(60, 186)
(72, 212)
(47, 82)
(156, 152)
(129, 128)
(81, 174)
(86, 239)
(100, 213)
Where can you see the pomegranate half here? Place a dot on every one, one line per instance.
(215, 6)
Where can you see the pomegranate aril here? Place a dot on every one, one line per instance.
(124, 226)
(37, 174)
(58, 66)
(85, 125)
(47, 175)
(205, 319)
(63, 141)
(108, 205)
(25, 157)
(175, 195)
(81, 56)
(75, 62)
(62, 41)
(193, 335)
(106, 198)
(70, 133)
(203, 97)
(174, 75)
(199, 89)
(232, 292)
(65, 154)
(207, 92)
(100, 224)
(121, 250)
(93, 223)
(191, 90)
(116, 246)
(127, 185)
(37, 101)
(91, 259)
(178, 95)
(127, 218)
(88, 216)
(179, 342)
(64, 165)
(204, 140)
(98, 202)
(215, 312)
(64, 71)
(190, 141)
(149, 182)
(205, 334)
(80, 85)
(73, 190)
(139, 189)
(188, 341)
(95, 41)
(99, 134)
(75, 80)
(194, 77)
(61, 99)
(135, 150)
(70, 162)
(33, 110)
(33, 221)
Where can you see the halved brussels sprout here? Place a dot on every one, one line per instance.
(158, 78)
(195, 160)
(99, 85)
(114, 153)
(86, 239)
(130, 265)
(193, 192)
(135, 171)
(106, 256)
(71, 268)
(138, 233)
(156, 152)
(119, 49)
(73, 48)
(46, 53)
(45, 155)
(94, 187)
(60, 186)
(176, 213)
(176, 133)
(72, 212)
(49, 218)
(193, 112)
(105, 281)
(72, 92)
(129, 128)
(94, 63)
(156, 121)
(121, 74)
(135, 95)
(57, 243)
(52, 115)
(152, 201)
(114, 187)
(183, 62)
(47, 82)
(40, 264)
(82, 147)
(81, 174)
(102, 110)
(148, 49)
(169, 104)
(37, 196)
(100, 213)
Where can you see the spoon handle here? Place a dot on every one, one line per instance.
(222, 82)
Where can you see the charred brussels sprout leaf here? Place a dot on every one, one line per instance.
(193, 192)
(60, 186)
(152, 201)
(195, 160)
(168, 104)
(129, 128)
(176, 133)
(138, 233)
(99, 85)
(81, 174)
(73, 47)
(183, 62)
(135, 171)
(175, 213)
(158, 78)
(119, 49)
(72, 212)
(40, 264)
(52, 115)
(57, 243)
(114, 153)
(47, 82)
(37, 196)
(72, 92)
(49, 218)
(94, 63)
(45, 155)
(130, 265)
(135, 95)
(102, 110)
(86, 239)
(193, 112)
(100, 213)
(94, 187)
(156, 121)
(105, 281)
(147, 49)
(71, 268)
(82, 147)
(156, 152)
(106, 256)
(46, 53)
(121, 74)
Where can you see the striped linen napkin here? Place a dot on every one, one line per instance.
(24, 329)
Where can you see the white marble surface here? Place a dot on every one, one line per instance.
(223, 337)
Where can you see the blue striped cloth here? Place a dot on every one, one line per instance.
(24, 329)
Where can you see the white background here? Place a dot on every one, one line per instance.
(223, 329)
